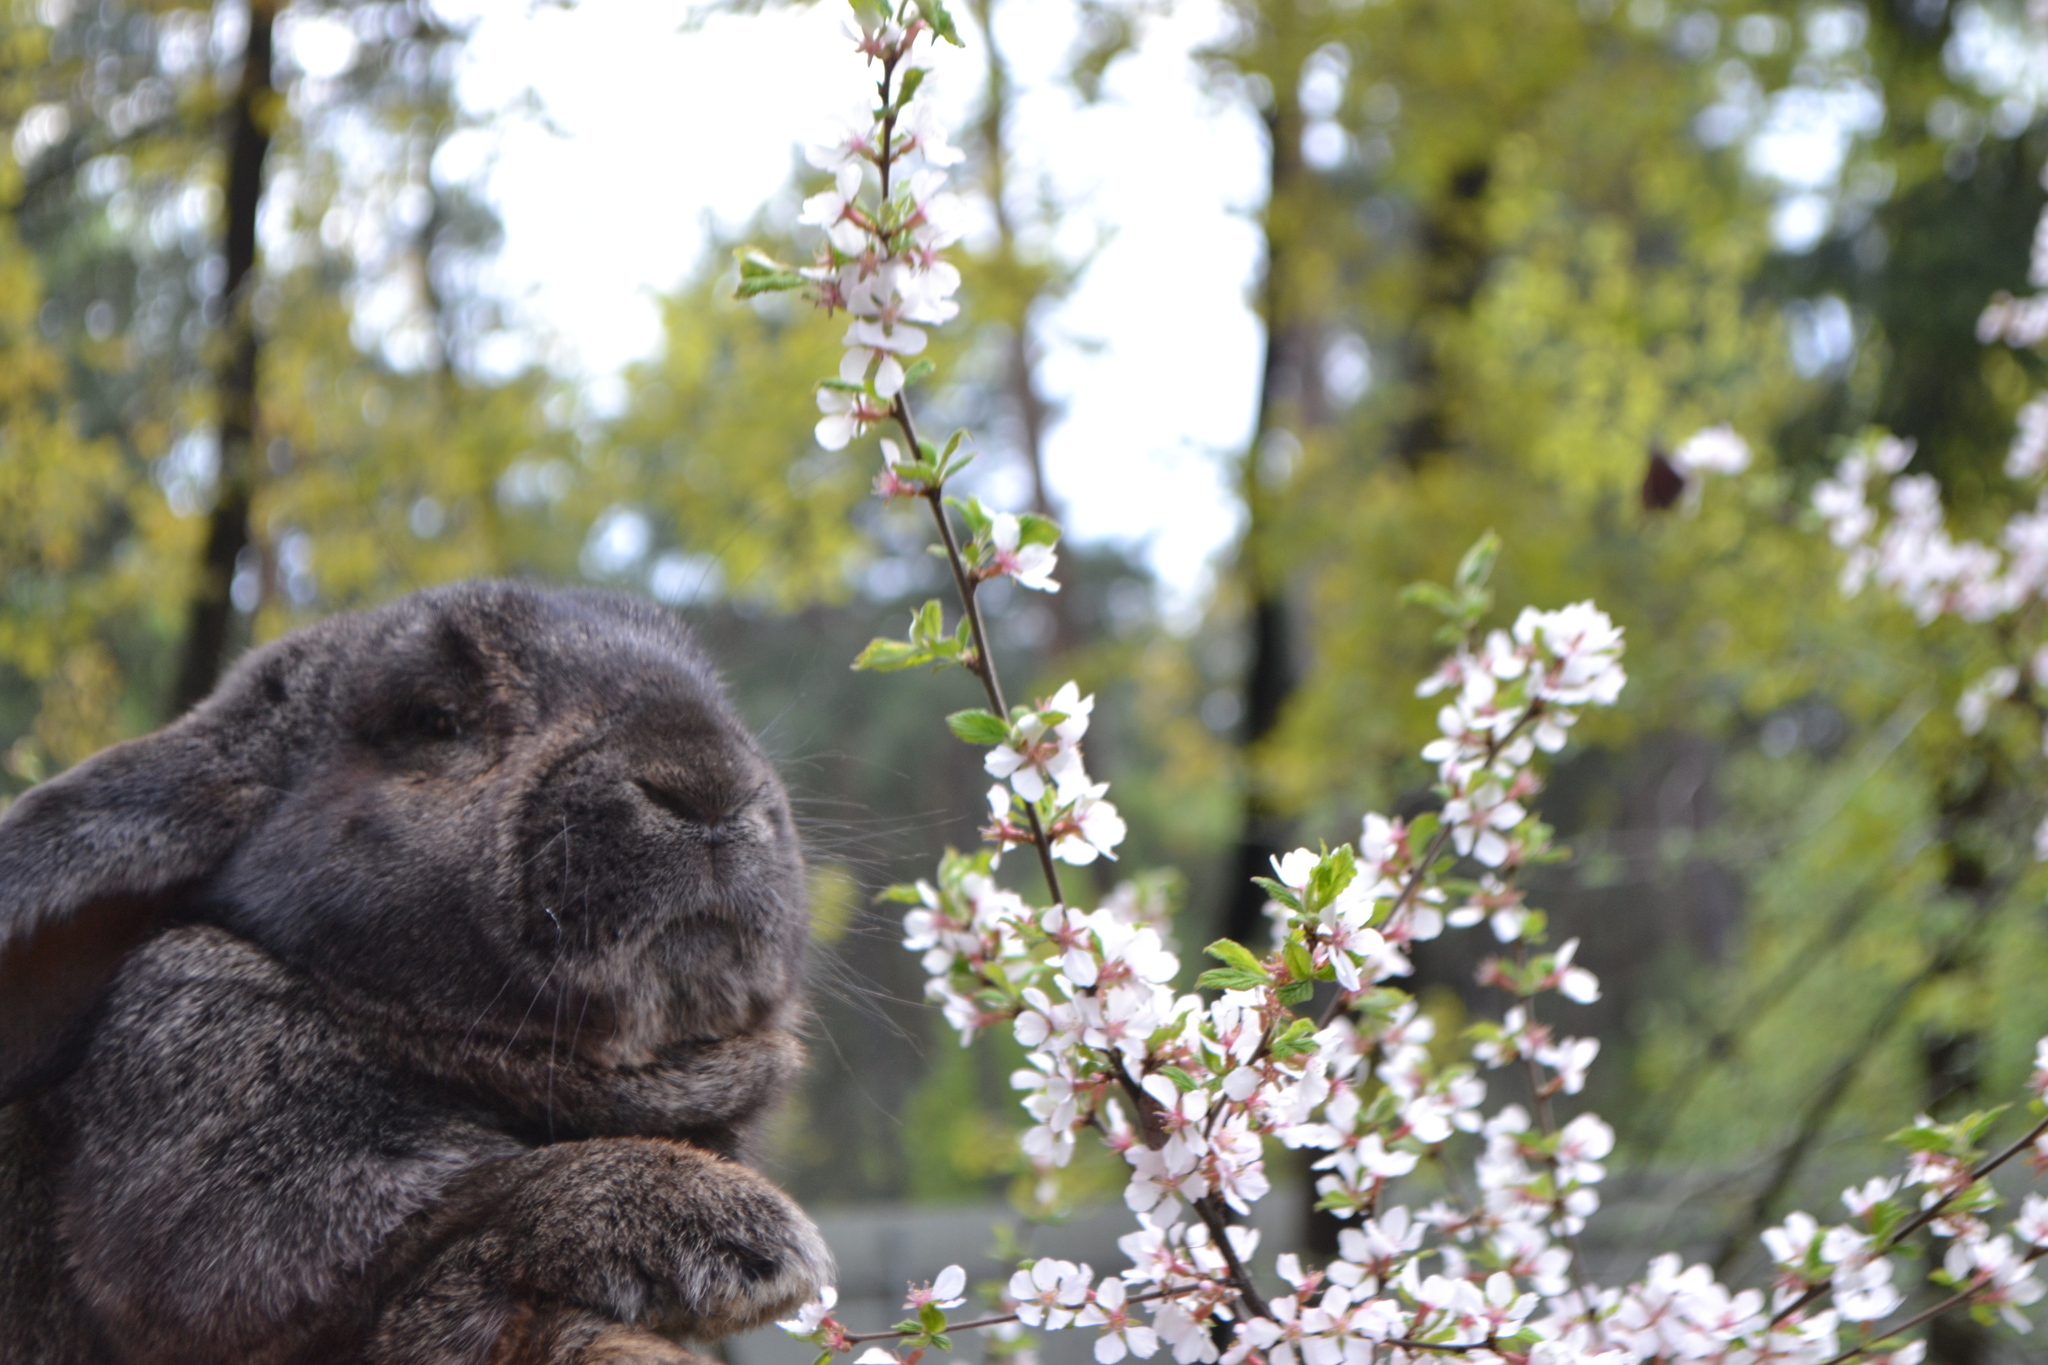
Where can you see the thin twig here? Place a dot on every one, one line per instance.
(1164, 1292)
(1956, 1300)
(984, 665)
(1210, 1210)
(855, 1338)
(1430, 855)
(1922, 1219)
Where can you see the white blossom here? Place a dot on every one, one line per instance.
(1121, 1334)
(1713, 450)
(1051, 1292)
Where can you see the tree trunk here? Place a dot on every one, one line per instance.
(1290, 396)
(210, 613)
(1020, 359)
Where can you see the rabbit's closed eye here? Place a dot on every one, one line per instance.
(710, 808)
(434, 720)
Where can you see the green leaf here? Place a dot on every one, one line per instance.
(889, 656)
(979, 727)
(932, 1318)
(1230, 979)
(1477, 564)
(1237, 955)
(902, 893)
(951, 464)
(934, 12)
(1332, 874)
(1299, 964)
(1295, 992)
(1278, 891)
(978, 518)
(907, 88)
(1033, 529)
(1432, 595)
(918, 371)
(1181, 1080)
(1297, 1039)
(763, 274)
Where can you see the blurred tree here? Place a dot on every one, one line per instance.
(1554, 264)
(250, 120)
(178, 199)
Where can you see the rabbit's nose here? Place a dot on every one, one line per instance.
(716, 833)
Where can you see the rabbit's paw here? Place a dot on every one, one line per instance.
(751, 1254)
(580, 1338)
(659, 1232)
(631, 1346)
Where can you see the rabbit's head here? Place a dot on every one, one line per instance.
(517, 808)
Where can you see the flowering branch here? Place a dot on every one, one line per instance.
(1187, 1087)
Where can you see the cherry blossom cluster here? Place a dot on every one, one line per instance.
(1313, 1045)
(1036, 756)
(1894, 533)
(1184, 1087)
(885, 220)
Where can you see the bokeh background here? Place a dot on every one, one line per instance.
(1277, 305)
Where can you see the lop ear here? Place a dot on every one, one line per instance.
(96, 861)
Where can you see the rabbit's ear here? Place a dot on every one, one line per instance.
(95, 861)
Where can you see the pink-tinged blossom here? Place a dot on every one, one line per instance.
(1161, 1175)
(1154, 1253)
(1862, 1287)
(1181, 1112)
(1575, 983)
(1051, 1292)
(2032, 1224)
(1044, 753)
(1030, 565)
(1003, 829)
(1583, 646)
(1278, 1336)
(921, 127)
(1237, 1169)
(1121, 1333)
(1187, 1335)
(837, 211)
(1480, 821)
(1091, 828)
(813, 1314)
(1861, 1199)
(847, 415)
(1045, 1024)
(1570, 1058)
(2003, 1277)
(948, 1290)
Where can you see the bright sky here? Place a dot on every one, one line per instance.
(658, 129)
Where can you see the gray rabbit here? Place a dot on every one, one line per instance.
(411, 1000)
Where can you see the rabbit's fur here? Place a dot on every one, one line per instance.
(410, 1000)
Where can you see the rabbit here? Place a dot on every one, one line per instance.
(415, 998)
